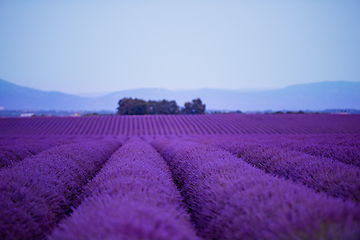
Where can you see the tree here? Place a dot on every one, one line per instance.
(124, 106)
(187, 108)
(198, 107)
(139, 107)
(194, 107)
(163, 107)
(173, 108)
(129, 106)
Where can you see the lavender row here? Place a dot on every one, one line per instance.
(319, 173)
(342, 147)
(229, 199)
(132, 197)
(12, 151)
(350, 140)
(18, 150)
(36, 192)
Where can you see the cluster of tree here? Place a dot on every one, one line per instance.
(129, 106)
(226, 112)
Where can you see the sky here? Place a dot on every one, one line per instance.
(106, 46)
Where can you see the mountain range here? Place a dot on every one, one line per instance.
(312, 96)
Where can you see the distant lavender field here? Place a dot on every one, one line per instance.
(180, 177)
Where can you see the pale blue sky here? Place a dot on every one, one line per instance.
(105, 46)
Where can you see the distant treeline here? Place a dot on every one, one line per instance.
(129, 106)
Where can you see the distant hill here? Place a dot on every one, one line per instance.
(16, 97)
(313, 96)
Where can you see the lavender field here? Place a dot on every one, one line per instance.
(181, 177)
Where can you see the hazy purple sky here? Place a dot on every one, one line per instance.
(104, 46)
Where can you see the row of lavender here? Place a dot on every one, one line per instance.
(16, 149)
(178, 125)
(342, 147)
(12, 151)
(325, 163)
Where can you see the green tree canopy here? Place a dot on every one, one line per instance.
(194, 107)
(163, 107)
(129, 106)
